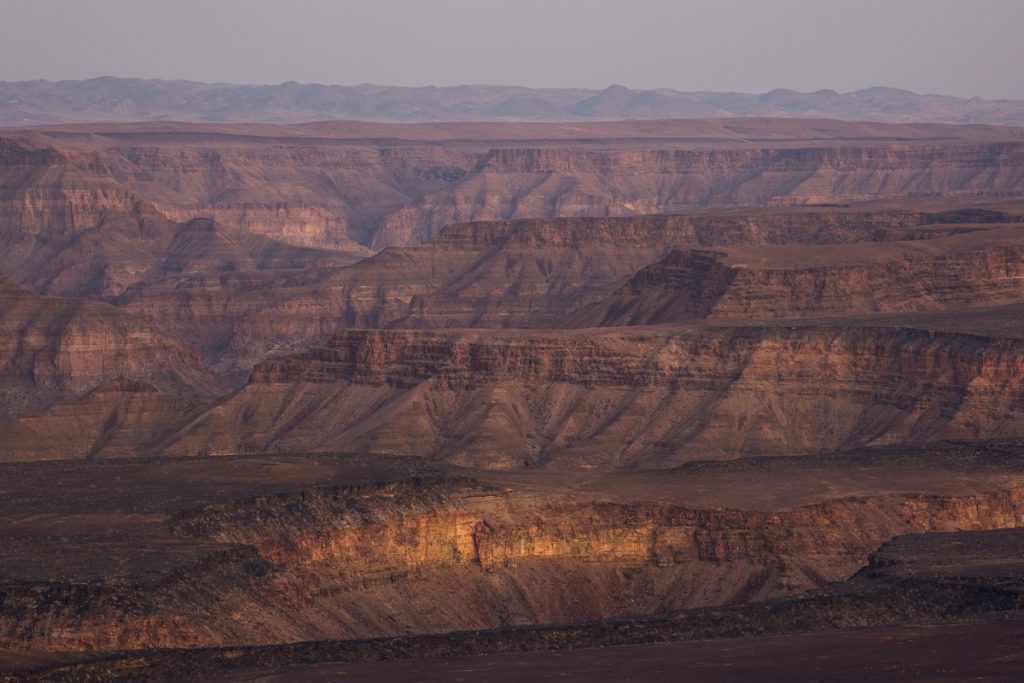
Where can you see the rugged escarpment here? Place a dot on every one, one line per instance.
(584, 399)
(627, 396)
(526, 183)
(985, 268)
(67, 227)
(500, 274)
(546, 418)
(916, 623)
(234, 239)
(352, 186)
(54, 350)
(434, 555)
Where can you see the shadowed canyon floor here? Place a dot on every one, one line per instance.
(919, 653)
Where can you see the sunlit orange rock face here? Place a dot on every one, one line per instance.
(442, 555)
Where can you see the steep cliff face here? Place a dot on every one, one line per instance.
(794, 263)
(53, 206)
(175, 222)
(424, 558)
(309, 192)
(70, 225)
(650, 396)
(396, 530)
(54, 350)
(69, 197)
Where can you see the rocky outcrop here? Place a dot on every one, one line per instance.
(431, 557)
(634, 396)
(915, 623)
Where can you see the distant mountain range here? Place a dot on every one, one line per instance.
(130, 99)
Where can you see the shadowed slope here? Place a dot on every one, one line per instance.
(54, 350)
(981, 266)
(121, 418)
(499, 274)
(620, 397)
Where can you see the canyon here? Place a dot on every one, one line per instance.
(352, 186)
(278, 397)
(238, 239)
(642, 397)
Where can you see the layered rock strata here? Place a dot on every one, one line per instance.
(501, 274)
(428, 557)
(624, 397)
(690, 285)
(54, 350)
(121, 418)
(351, 186)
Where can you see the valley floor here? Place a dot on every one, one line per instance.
(988, 650)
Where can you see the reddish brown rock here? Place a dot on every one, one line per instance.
(499, 274)
(623, 397)
(352, 186)
(108, 211)
(980, 267)
(417, 557)
(54, 350)
(119, 419)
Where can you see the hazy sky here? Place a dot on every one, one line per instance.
(959, 47)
